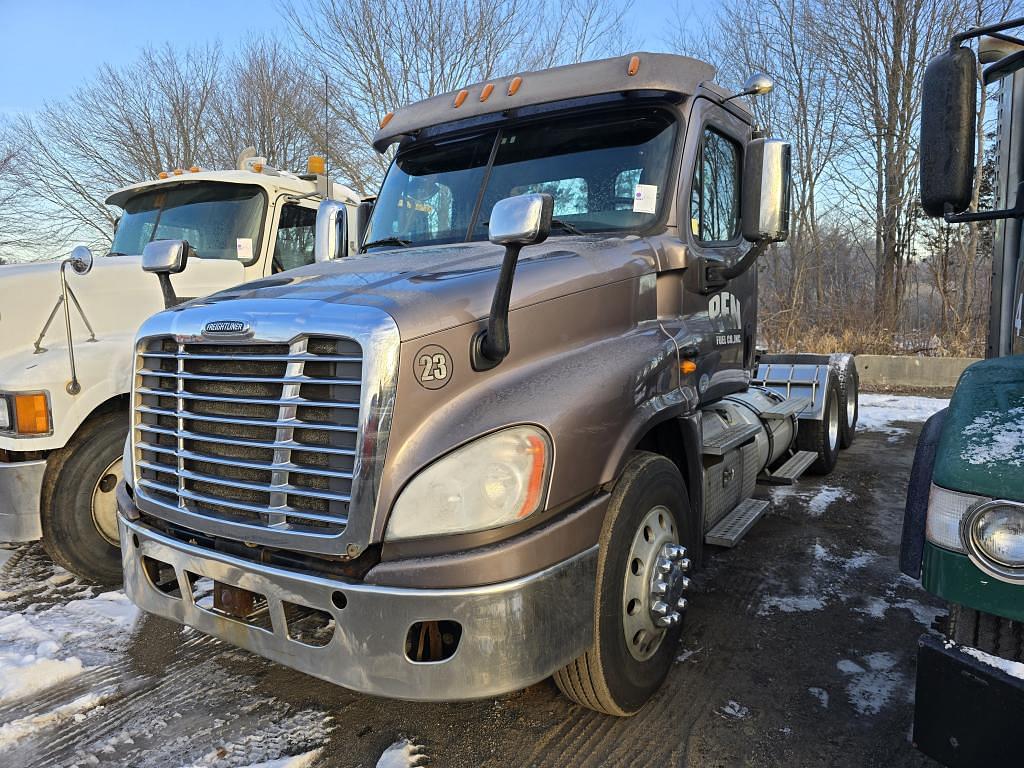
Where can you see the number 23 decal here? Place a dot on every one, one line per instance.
(433, 367)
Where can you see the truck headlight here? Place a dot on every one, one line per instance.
(493, 481)
(994, 536)
(25, 414)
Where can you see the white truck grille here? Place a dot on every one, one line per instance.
(258, 434)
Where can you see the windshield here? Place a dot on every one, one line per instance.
(221, 221)
(606, 173)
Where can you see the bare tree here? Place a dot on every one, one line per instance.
(383, 54)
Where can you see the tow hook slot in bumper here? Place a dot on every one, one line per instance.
(510, 635)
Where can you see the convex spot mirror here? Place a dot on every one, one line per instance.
(167, 256)
(80, 260)
(521, 220)
(948, 108)
(765, 201)
(331, 231)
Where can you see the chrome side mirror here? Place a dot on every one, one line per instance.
(166, 256)
(758, 84)
(80, 260)
(331, 231)
(521, 220)
(765, 200)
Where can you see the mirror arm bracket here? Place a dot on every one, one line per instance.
(1017, 212)
(491, 345)
(714, 275)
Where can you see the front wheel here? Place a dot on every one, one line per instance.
(79, 511)
(638, 602)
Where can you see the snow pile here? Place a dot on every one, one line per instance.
(1012, 668)
(815, 500)
(73, 710)
(995, 437)
(41, 646)
(880, 413)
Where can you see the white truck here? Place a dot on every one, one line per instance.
(66, 331)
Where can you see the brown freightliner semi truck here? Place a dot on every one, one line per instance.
(488, 449)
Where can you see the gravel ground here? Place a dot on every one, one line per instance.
(799, 651)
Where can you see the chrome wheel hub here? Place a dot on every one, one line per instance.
(652, 595)
(104, 502)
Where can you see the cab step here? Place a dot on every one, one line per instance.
(727, 439)
(789, 472)
(728, 531)
(788, 407)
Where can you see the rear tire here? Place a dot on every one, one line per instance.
(617, 676)
(821, 436)
(845, 368)
(78, 509)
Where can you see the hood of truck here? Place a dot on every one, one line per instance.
(981, 450)
(429, 289)
(115, 297)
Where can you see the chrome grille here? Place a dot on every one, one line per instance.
(259, 434)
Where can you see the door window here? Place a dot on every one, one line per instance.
(715, 192)
(296, 236)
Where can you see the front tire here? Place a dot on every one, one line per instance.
(638, 601)
(79, 513)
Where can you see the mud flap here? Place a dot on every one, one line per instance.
(965, 711)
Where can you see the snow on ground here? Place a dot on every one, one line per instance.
(881, 413)
(822, 584)
(403, 754)
(995, 437)
(872, 682)
(305, 760)
(43, 645)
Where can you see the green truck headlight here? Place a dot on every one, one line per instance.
(993, 534)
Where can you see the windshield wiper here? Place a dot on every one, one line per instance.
(572, 229)
(387, 241)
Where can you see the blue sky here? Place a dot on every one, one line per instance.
(52, 47)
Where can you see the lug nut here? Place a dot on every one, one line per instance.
(681, 604)
(685, 582)
(685, 563)
(669, 620)
(660, 608)
(660, 587)
(664, 566)
(676, 551)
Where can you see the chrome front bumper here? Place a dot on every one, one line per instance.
(21, 484)
(514, 633)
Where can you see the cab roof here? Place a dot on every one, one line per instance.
(278, 181)
(664, 72)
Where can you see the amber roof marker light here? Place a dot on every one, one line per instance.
(386, 119)
(634, 66)
(514, 86)
(461, 97)
(486, 92)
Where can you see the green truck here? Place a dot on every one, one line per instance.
(963, 532)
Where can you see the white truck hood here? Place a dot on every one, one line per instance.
(116, 296)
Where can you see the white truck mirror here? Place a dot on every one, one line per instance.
(80, 260)
(765, 200)
(331, 231)
(167, 256)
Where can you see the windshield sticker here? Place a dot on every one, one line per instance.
(645, 198)
(244, 245)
